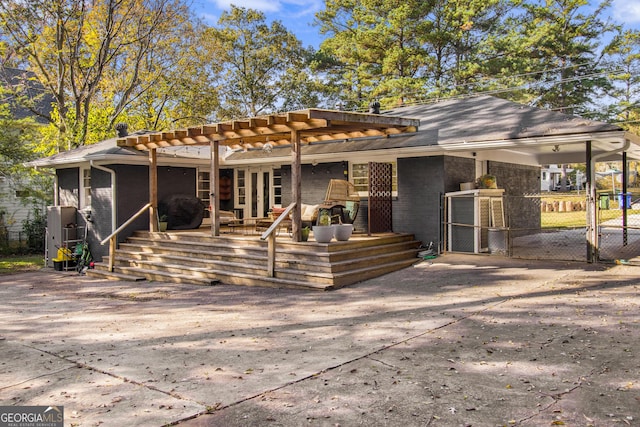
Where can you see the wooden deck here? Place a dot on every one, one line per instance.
(196, 257)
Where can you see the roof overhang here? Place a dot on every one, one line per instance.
(313, 125)
(534, 150)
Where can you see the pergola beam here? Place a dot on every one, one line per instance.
(312, 125)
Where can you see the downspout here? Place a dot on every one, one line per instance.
(593, 221)
(114, 225)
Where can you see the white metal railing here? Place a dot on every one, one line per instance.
(270, 236)
(113, 236)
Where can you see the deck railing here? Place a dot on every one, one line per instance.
(270, 236)
(113, 236)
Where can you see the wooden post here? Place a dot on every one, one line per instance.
(271, 255)
(112, 252)
(153, 190)
(214, 183)
(296, 185)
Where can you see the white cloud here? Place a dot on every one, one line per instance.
(626, 11)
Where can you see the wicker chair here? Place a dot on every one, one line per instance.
(342, 200)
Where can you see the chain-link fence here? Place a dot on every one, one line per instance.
(542, 226)
(618, 227)
(548, 226)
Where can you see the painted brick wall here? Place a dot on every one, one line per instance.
(315, 181)
(100, 225)
(68, 185)
(523, 214)
(421, 182)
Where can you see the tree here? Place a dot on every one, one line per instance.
(375, 49)
(623, 59)
(106, 53)
(264, 68)
(555, 47)
(403, 52)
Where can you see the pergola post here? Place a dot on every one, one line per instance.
(214, 186)
(296, 185)
(153, 190)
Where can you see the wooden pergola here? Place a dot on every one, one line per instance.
(291, 128)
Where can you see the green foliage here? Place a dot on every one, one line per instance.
(35, 229)
(622, 56)
(98, 61)
(16, 141)
(265, 66)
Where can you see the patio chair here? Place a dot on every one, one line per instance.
(342, 200)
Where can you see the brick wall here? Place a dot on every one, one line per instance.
(518, 180)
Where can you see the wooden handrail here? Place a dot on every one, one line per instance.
(271, 236)
(112, 237)
(127, 222)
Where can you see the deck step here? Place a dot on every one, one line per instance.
(113, 275)
(200, 259)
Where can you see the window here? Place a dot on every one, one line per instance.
(241, 188)
(360, 178)
(204, 193)
(277, 187)
(85, 188)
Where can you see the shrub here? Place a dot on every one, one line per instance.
(35, 230)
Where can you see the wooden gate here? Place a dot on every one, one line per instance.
(380, 191)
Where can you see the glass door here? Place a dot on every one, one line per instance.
(258, 201)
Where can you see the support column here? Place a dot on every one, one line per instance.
(153, 190)
(214, 185)
(625, 174)
(296, 185)
(592, 206)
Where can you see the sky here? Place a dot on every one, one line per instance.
(298, 15)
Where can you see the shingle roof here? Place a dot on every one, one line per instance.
(458, 121)
(485, 118)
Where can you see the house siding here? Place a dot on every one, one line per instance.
(15, 212)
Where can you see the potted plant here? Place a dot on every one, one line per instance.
(162, 223)
(487, 181)
(323, 232)
(304, 234)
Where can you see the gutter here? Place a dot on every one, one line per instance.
(113, 192)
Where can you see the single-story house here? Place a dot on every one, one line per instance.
(440, 146)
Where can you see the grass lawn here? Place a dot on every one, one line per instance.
(20, 263)
(579, 218)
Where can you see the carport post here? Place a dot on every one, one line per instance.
(592, 231)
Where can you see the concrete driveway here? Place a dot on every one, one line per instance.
(460, 340)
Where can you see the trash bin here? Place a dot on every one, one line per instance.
(624, 202)
(603, 200)
(497, 240)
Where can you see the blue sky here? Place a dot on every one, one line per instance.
(298, 15)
